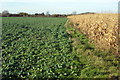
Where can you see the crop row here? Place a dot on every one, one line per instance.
(37, 48)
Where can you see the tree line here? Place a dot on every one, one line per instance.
(6, 13)
(24, 14)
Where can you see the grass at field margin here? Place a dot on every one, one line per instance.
(95, 60)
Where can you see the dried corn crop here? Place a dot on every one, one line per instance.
(101, 28)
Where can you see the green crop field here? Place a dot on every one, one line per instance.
(35, 48)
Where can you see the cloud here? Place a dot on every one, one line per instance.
(59, 1)
(38, 0)
(59, 6)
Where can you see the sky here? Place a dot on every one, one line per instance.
(59, 6)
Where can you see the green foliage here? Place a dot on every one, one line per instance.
(36, 48)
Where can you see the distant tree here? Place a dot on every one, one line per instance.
(42, 14)
(23, 14)
(36, 14)
(5, 13)
(74, 12)
(14, 15)
(54, 15)
(39, 14)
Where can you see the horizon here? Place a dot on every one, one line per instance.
(59, 6)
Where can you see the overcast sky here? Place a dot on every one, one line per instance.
(58, 6)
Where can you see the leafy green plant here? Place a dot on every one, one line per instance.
(35, 48)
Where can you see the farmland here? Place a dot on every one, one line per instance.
(102, 29)
(35, 48)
